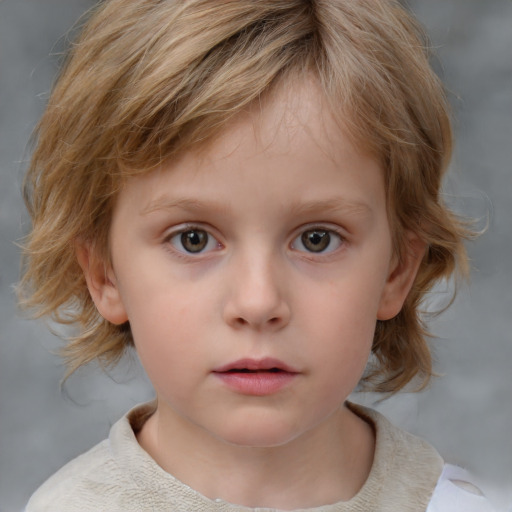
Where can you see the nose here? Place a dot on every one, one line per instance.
(256, 297)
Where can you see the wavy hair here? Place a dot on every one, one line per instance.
(149, 79)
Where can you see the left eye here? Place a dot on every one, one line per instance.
(317, 240)
(193, 241)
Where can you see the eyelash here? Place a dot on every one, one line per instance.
(324, 234)
(176, 238)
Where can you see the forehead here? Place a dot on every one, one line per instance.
(287, 149)
(280, 121)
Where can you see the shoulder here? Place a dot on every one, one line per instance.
(415, 476)
(399, 450)
(96, 479)
(456, 491)
(76, 482)
(405, 468)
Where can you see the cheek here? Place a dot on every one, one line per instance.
(340, 322)
(162, 324)
(344, 355)
(166, 355)
(345, 309)
(169, 322)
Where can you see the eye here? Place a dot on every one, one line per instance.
(317, 240)
(193, 241)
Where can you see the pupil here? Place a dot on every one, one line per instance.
(316, 241)
(194, 241)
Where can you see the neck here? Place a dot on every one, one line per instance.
(330, 463)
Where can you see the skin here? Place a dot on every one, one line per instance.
(256, 290)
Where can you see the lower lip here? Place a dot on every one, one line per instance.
(256, 383)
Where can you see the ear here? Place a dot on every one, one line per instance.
(101, 283)
(401, 277)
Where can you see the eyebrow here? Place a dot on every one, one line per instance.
(331, 205)
(183, 203)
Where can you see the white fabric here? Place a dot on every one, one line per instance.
(119, 476)
(451, 495)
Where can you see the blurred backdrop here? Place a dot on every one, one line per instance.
(466, 413)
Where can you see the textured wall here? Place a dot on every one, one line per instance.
(466, 414)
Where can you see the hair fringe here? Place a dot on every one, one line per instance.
(148, 80)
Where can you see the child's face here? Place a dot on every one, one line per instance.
(253, 274)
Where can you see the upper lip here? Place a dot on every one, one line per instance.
(266, 363)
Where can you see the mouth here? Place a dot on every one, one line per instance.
(266, 365)
(246, 370)
(256, 377)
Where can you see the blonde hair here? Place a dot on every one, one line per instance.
(148, 79)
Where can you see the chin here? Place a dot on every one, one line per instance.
(259, 434)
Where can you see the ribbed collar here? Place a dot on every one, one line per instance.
(402, 478)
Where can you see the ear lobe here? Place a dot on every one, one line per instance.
(401, 278)
(101, 284)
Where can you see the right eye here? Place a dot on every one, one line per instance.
(318, 240)
(193, 241)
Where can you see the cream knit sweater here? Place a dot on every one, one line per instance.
(118, 475)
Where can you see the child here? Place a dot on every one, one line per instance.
(247, 193)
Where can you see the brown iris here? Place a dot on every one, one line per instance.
(194, 240)
(316, 240)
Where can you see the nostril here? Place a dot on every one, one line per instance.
(242, 322)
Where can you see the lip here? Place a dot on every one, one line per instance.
(256, 377)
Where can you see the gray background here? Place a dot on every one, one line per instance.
(466, 414)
